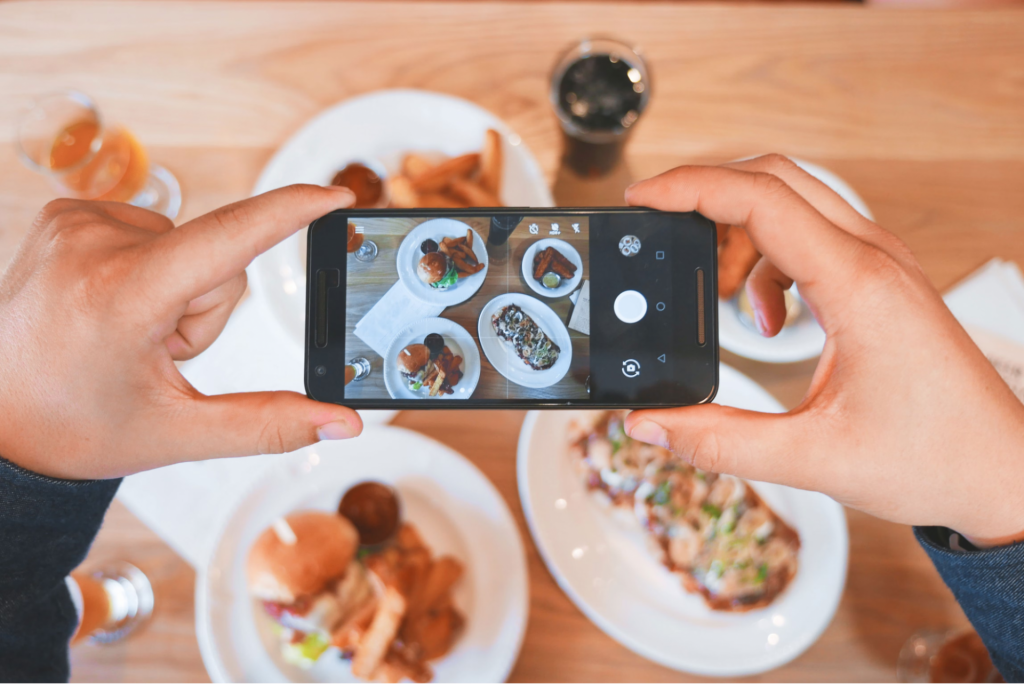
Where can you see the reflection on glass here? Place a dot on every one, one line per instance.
(64, 138)
(950, 656)
(599, 89)
(362, 249)
(111, 602)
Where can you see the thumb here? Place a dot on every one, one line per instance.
(722, 439)
(268, 423)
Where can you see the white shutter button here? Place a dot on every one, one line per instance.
(630, 306)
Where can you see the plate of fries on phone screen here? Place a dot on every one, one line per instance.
(431, 151)
(388, 558)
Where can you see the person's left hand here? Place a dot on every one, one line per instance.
(101, 300)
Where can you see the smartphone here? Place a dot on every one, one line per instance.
(512, 308)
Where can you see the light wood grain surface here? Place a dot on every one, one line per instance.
(921, 112)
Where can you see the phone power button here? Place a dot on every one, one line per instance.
(630, 306)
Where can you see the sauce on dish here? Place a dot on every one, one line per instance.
(373, 508)
(363, 182)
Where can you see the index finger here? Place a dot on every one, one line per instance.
(782, 224)
(208, 251)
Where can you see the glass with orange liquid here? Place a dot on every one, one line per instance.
(64, 138)
(111, 602)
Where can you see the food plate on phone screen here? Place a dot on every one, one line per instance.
(565, 285)
(502, 354)
(401, 378)
(453, 285)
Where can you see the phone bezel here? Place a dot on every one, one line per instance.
(711, 309)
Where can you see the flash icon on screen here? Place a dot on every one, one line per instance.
(575, 227)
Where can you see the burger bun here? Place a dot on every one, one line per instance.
(324, 545)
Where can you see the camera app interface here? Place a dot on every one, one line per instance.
(488, 307)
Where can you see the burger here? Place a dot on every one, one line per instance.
(304, 570)
(437, 270)
(414, 364)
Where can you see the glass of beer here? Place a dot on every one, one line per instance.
(111, 602)
(599, 89)
(945, 656)
(64, 138)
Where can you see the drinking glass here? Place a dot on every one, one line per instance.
(599, 89)
(945, 656)
(360, 367)
(112, 602)
(63, 137)
(358, 246)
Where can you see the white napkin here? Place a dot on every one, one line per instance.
(392, 312)
(183, 503)
(991, 298)
(990, 305)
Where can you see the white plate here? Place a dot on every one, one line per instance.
(458, 340)
(409, 256)
(803, 339)
(380, 126)
(456, 509)
(599, 557)
(504, 359)
(568, 251)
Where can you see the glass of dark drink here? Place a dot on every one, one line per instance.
(599, 89)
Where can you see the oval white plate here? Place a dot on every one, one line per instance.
(599, 557)
(804, 338)
(569, 252)
(456, 509)
(380, 126)
(505, 360)
(409, 256)
(458, 340)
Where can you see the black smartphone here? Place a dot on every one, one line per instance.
(512, 308)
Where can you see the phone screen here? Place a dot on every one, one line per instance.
(552, 307)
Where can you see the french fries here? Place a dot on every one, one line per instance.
(375, 643)
(413, 620)
(490, 162)
(468, 180)
(438, 177)
(552, 260)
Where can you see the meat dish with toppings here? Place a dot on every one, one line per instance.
(525, 337)
(714, 531)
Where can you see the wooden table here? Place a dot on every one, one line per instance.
(921, 111)
(369, 282)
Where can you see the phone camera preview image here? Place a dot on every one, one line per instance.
(473, 307)
(588, 308)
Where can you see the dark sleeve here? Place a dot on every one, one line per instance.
(46, 527)
(989, 584)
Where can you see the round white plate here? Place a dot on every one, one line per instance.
(599, 557)
(380, 126)
(504, 359)
(568, 251)
(804, 338)
(409, 256)
(458, 340)
(456, 509)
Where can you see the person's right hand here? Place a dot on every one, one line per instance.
(904, 418)
(98, 304)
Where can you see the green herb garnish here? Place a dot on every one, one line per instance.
(712, 510)
(762, 573)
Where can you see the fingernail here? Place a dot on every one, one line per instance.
(342, 190)
(759, 322)
(650, 433)
(339, 429)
